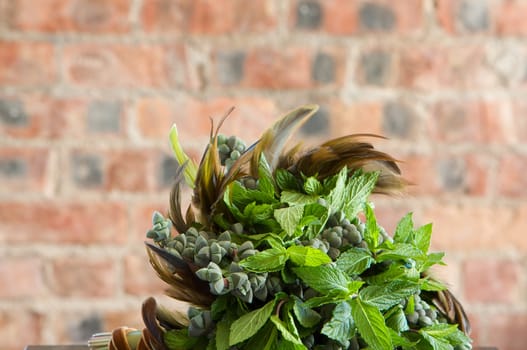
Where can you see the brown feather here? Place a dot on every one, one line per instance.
(272, 142)
(175, 215)
(347, 151)
(154, 336)
(209, 176)
(179, 275)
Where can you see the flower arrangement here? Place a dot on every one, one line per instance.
(281, 249)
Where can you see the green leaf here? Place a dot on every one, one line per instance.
(222, 334)
(432, 285)
(370, 324)
(179, 339)
(324, 278)
(306, 316)
(289, 218)
(248, 325)
(286, 334)
(404, 230)
(313, 186)
(314, 227)
(337, 195)
(389, 294)
(401, 251)
(340, 327)
(396, 320)
(400, 341)
(422, 237)
(395, 271)
(436, 343)
(354, 261)
(440, 336)
(191, 168)
(265, 339)
(458, 338)
(431, 260)
(265, 261)
(257, 213)
(287, 181)
(371, 234)
(219, 305)
(358, 189)
(297, 198)
(307, 256)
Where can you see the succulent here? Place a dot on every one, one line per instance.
(281, 249)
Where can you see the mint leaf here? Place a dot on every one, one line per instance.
(389, 294)
(431, 260)
(324, 278)
(179, 339)
(404, 230)
(436, 343)
(307, 256)
(396, 320)
(440, 330)
(247, 325)
(289, 218)
(265, 339)
(358, 189)
(400, 341)
(286, 333)
(422, 237)
(306, 316)
(297, 198)
(321, 213)
(265, 261)
(222, 334)
(371, 234)
(340, 327)
(354, 261)
(313, 186)
(287, 181)
(218, 306)
(401, 251)
(370, 324)
(337, 195)
(432, 285)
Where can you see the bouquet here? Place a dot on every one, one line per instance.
(280, 248)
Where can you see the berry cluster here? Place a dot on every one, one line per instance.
(230, 149)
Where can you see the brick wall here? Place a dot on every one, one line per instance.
(89, 89)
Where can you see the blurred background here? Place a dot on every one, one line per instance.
(90, 88)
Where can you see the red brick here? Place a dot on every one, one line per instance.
(24, 170)
(62, 222)
(140, 278)
(465, 121)
(506, 331)
(358, 117)
(519, 112)
(432, 67)
(492, 280)
(432, 175)
(270, 68)
(27, 64)
(511, 176)
(95, 16)
(495, 228)
(341, 17)
(84, 277)
(141, 218)
(21, 277)
(250, 117)
(464, 16)
(129, 171)
(510, 17)
(125, 66)
(20, 327)
(206, 17)
(46, 117)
